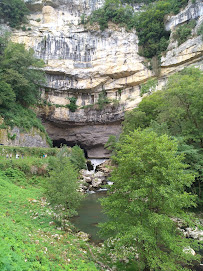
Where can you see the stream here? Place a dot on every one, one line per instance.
(89, 215)
(90, 212)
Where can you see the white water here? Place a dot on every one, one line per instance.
(96, 162)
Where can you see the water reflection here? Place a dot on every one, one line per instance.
(89, 215)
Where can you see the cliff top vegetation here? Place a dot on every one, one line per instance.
(149, 23)
(13, 12)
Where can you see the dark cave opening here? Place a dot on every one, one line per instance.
(61, 142)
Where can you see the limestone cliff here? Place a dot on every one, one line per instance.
(83, 62)
(15, 137)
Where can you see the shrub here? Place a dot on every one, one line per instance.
(12, 137)
(103, 100)
(16, 176)
(23, 28)
(72, 105)
(200, 30)
(183, 32)
(13, 11)
(62, 187)
(149, 24)
(149, 86)
(77, 157)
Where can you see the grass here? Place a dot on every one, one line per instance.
(30, 165)
(30, 239)
(28, 151)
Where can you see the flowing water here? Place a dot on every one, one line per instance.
(97, 161)
(89, 215)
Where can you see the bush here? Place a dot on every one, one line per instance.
(183, 32)
(62, 187)
(200, 30)
(72, 106)
(16, 176)
(21, 117)
(103, 100)
(77, 157)
(13, 11)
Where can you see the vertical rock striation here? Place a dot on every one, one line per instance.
(85, 62)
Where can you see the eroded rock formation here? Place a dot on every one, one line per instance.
(84, 62)
(15, 137)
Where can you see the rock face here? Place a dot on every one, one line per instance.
(85, 62)
(16, 137)
(22, 139)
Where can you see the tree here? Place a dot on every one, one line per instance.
(62, 186)
(77, 157)
(148, 192)
(183, 104)
(7, 96)
(13, 11)
(21, 70)
(176, 111)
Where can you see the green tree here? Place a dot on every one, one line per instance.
(179, 106)
(176, 111)
(7, 96)
(149, 24)
(147, 110)
(148, 191)
(62, 186)
(21, 70)
(183, 104)
(13, 11)
(77, 157)
(20, 80)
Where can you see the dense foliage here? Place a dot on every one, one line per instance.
(77, 157)
(13, 11)
(149, 182)
(149, 24)
(114, 11)
(176, 111)
(19, 83)
(62, 186)
(184, 31)
(20, 80)
(179, 107)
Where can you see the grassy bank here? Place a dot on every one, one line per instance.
(30, 238)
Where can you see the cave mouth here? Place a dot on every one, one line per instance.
(61, 142)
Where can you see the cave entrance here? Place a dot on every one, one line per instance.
(61, 142)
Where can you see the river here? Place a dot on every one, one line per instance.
(89, 215)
